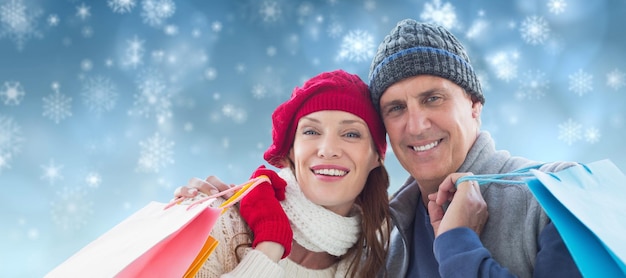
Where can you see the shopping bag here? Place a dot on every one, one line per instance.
(587, 204)
(159, 240)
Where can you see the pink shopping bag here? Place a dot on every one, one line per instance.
(159, 240)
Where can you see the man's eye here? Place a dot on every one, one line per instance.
(394, 108)
(433, 98)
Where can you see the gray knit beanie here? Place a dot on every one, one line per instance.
(413, 48)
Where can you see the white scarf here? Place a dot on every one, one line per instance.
(314, 227)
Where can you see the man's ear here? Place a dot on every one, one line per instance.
(477, 109)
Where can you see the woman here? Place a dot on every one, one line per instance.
(330, 144)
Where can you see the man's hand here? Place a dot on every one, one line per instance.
(467, 207)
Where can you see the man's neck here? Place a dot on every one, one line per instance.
(426, 188)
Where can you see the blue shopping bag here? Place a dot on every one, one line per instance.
(587, 204)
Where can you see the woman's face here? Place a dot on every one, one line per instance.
(333, 153)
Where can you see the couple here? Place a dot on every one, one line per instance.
(327, 214)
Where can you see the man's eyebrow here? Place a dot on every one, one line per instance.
(393, 102)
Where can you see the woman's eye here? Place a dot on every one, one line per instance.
(309, 132)
(353, 135)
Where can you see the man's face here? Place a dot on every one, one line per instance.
(432, 123)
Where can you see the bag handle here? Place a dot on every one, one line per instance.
(240, 190)
(501, 178)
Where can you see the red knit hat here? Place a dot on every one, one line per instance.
(335, 90)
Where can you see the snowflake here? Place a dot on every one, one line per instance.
(505, 65)
(51, 172)
(158, 55)
(535, 30)
(5, 161)
(155, 12)
(259, 91)
(156, 153)
(53, 20)
(335, 30)
(12, 93)
(10, 136)
(592, 135)
(71, 209)
(10, 141)
(210, 73)
(18, 22)
(99, 94)
(478, 28)
(357, 46)
(170, 30)
(369, 5)
(87, 31)
(305, 9)
(533, 85)
(570, 132)
(83, 12)
(580, 83)
(483, 77)
(554, 46)
(93, 180)
(238, 115)
(86, 65)
(57, 106)
(270, 11)
(225, 143)
(216, 26)
(108, 63)
(271, 51)
(134, 53)
(616, 79)
(154, 98)
(556, 6)
(121, 6)
(437, 13)
(240, 68)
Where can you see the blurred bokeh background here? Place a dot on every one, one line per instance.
(107, 105)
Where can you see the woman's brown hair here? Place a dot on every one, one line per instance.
(369, 253)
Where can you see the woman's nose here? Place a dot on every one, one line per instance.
(329, 147)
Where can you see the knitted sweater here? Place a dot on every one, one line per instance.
(518, 238)
(231, 231)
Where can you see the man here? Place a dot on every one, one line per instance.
(430, 100)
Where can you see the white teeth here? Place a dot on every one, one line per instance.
(426, 147)
(330, 172)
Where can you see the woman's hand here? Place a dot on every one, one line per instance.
(261, 209)
(210, 186)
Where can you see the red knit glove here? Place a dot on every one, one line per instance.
(264, 214)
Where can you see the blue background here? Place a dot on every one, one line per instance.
(103, 109)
